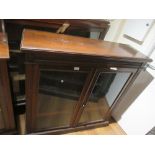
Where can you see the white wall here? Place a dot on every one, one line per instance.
(116, 87)
(116, 34)
(115, 30)
(139, 118)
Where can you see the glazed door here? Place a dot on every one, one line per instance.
(57, 91)
(105, 92)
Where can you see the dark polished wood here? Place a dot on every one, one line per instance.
(31, 88)
(84, 23)
(4, 50)
(55, 43)
(5, 92)
(62, 53)
(68, 130)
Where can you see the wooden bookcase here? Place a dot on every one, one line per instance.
(74, 83)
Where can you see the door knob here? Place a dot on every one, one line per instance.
(62, 81)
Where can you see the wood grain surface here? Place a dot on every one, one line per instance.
(34, 40)
(112, 129)
(4, 50)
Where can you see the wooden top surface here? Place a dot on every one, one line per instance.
(33, 40)
(4, 50)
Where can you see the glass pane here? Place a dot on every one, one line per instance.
(103, 95)
(59, 91)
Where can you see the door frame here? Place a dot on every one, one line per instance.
(32, 74)
(92, 85)
(32, 87)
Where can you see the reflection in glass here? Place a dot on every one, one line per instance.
(59, 91)
(103, 95)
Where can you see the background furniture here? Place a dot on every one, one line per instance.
(7, 122)
(74, 83)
